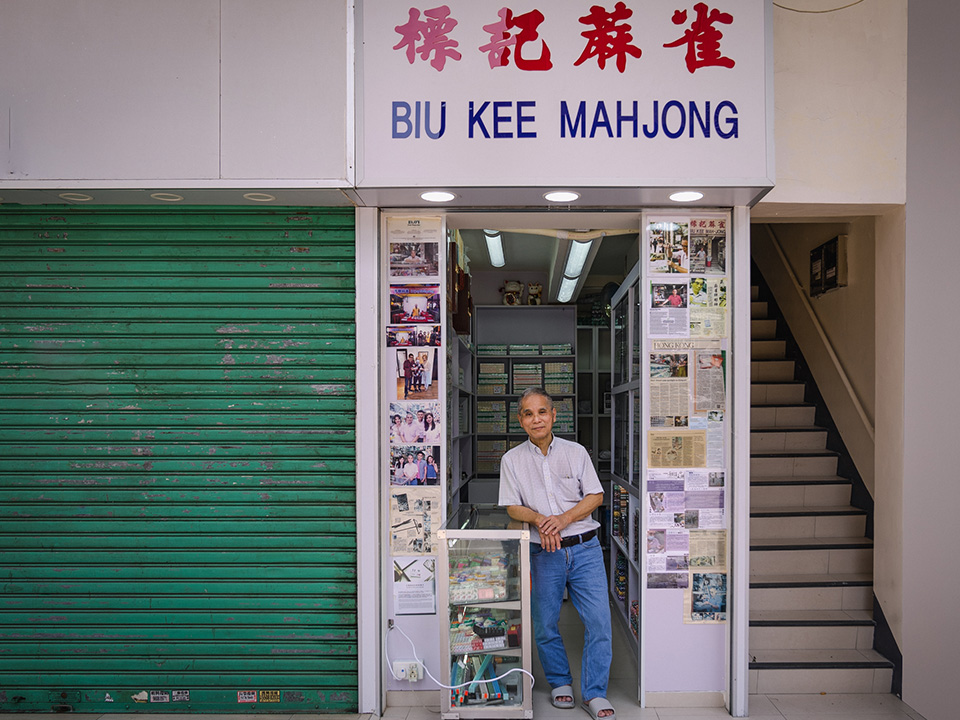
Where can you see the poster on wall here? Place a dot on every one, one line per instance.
(415, 514)
(414, 585)
(414, 246)
(413, 336)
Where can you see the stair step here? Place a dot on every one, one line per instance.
(771, 370)
(774, 592)
(831, 658)
(793, 464)
(786, 416)
(810, 555)
(799, 491)
(768, 349)
(787, 438)
(811, 630)
(764, 329)
(846, 681)
(783, 393)
(807, 522)
(794, 581)
(758, 309)
(754, 292)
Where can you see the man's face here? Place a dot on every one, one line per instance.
(409, 419)
(537, 417)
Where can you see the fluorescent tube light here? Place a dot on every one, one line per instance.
(494, 247)
(576, 257)
(566, 289)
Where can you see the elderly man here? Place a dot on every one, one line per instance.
(551, 484)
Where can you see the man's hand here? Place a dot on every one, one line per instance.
(550, 527)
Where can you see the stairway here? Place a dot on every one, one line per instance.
(811, 565)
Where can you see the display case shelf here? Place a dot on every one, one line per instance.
(484, 582)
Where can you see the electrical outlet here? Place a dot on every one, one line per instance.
(409, 670)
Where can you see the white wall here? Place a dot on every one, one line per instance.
(931, 493)
(173, 93)
(840, 95)
(888, 412)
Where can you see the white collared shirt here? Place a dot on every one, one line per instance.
(549, 484)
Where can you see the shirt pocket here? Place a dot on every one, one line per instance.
(568, 489)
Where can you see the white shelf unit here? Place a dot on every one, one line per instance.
(626, 553)
(461, 409)
(511, 328)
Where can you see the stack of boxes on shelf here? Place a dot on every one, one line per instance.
(492, 379)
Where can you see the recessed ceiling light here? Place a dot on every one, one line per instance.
(561, 196)
(437, 196)
(166, 197)
(76, 197)
(259, 197)
(686, 196)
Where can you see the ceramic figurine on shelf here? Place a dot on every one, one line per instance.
(534, 293)
(512, 292)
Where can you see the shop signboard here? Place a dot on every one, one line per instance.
(525, 92)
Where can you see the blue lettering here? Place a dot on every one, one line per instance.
(683, 119)
(621, 118)
(597, 122)
(580, 121)
(656, 121)
(443, 121)
(703, 123)
(522, 119)
(474, 118)
(499, 119)
(401, 118)
(732, 123)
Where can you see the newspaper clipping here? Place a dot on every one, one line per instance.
(676, 448)
(669, 246)
(669, 312)
(705, 599)
(708, 245)
(710, 381)
(414, 516)
(708, 307)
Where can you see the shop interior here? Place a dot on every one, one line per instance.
(529, 286)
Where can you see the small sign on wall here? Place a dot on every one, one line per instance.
(828, 266)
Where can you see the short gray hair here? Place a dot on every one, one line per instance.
(531, 391)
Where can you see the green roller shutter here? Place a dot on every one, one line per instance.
(177, 460)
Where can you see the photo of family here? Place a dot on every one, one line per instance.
(416, 370)
(415, 465)
(414, 423)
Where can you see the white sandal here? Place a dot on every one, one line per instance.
(559, 692)
(596, 706)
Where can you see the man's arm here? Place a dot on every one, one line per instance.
(550, 526)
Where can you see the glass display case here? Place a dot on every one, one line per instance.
(484, 577)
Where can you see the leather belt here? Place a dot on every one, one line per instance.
(577, 539)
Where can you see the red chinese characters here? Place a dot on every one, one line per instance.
(608, 38)
(431, 33)
(502, 40)
(516, 38)
(702, 38)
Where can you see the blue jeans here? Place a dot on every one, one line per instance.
(579, 568)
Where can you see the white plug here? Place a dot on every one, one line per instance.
(409, 670)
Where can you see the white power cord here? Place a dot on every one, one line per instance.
(386, 655)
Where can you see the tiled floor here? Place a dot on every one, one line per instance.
(622, 693)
